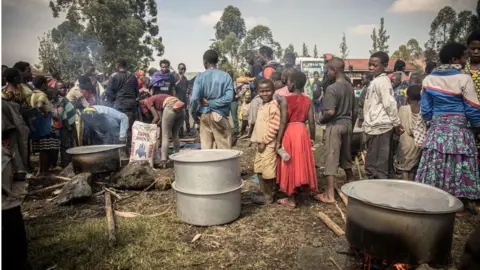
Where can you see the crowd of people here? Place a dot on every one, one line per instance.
(423, 126)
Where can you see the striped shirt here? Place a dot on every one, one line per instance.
(267, 124)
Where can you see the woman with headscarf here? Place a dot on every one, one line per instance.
(44, 135)
(450, 103)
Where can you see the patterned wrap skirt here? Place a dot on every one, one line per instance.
(449, 158)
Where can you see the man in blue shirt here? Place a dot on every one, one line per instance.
(210, 104)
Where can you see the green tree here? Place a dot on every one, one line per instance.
(109, 25)
(289, 49)
(462, 27)
(344, 47)
(305, 50)
(374, 38)
(475, 20)
(258, 36)
(440, 31)
(382, 40)
(228, 48)
(408, 52)
(230, 22)
(315, 51)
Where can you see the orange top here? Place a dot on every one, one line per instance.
(268, 72)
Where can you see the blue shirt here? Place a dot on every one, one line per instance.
(450, 91)
(116, 116)
(216, 86)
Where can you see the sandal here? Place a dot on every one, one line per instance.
(322, 198)
(284, 202)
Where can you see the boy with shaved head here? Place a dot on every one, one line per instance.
(339, 113)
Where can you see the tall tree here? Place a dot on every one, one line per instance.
(344, 47)
(315, 51)
(475, 22)
(289, 49)
(110, 24)
(440, 31)
(374, 38)
(462, 27)
(230, 22)
(305, 50)
(258, 36)
(382, 37)
(408, 52)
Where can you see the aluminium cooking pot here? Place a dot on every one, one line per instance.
(401, 221)
(96, 158)
(212, 170)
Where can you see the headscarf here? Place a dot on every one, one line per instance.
(159, 78)
(140, 74)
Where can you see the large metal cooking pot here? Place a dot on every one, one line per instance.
(401, 221)
(208, 209)
(210, 171)
(96, 158)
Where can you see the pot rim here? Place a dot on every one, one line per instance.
(174, 186)
(103, 148)
(179, 157)
(456, 205)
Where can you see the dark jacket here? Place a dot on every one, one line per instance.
(15, 132)
(122, 90)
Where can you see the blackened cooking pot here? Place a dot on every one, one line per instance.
(401, 221)
(96, 158)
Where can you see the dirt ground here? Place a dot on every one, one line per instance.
(264, 237)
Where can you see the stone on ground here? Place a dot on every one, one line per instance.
(67, 171)
(78, 189)
(135, 176)
(163, 183)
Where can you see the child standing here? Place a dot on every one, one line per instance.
(264, 135)
(408, 153)
(293, 136)
(380, 120)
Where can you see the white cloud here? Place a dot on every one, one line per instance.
(211, 18)
(253, 21)
(362, 29)
(262, 1)
(415, 6)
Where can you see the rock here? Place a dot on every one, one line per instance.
(76, 190)
(163, 183)
(67, 171)
(136, 176)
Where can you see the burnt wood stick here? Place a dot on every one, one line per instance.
(112, 230)
(331, 224)
(50, 188)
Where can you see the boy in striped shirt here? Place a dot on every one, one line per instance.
(264, 135)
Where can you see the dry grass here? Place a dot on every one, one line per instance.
(264, 237)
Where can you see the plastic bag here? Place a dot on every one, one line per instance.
(144, 142)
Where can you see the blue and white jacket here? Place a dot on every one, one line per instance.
(449, 91)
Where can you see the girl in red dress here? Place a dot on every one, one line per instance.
(293, 136)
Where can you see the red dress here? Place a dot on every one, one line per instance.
(300, 169)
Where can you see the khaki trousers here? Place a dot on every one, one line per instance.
(212, 131)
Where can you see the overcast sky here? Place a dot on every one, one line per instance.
(187, 25)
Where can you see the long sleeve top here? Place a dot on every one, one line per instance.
(449, 91)
(267, 124)
(380, 110)
(117, 116)
(216, 86)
